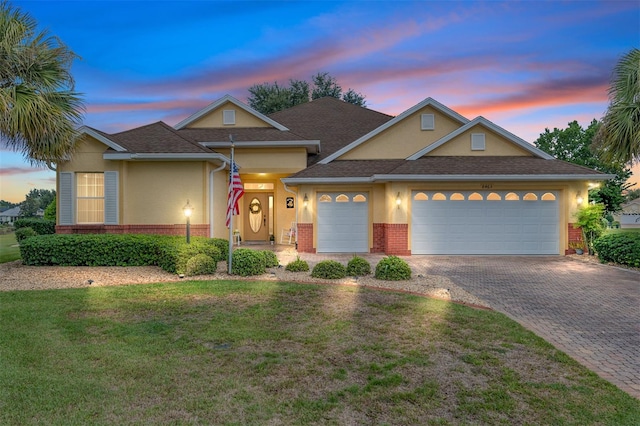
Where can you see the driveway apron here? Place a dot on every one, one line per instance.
(589, 311)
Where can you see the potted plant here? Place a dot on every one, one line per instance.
(272, 238)
(577, 246)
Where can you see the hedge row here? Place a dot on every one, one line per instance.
(168, 252)
(619, 247)
(40, 226)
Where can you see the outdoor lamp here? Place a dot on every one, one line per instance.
(188, 209)
(398, 200)
(579, 198)
(305, 200)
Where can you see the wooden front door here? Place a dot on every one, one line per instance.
(256, 216)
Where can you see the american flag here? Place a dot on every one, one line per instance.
(235, 192)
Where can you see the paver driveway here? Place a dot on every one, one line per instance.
(589, 311)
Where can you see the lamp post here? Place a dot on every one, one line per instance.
(188, 209)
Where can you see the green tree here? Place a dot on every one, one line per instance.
(268, 98)
(5, 205)
(632, 194)
(39, 109)
(36, 199)
(619, 137)
(574, 145)
(50, 211)
(589, 219)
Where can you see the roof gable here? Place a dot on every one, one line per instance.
(405, 115)
(479, 123)
(200, 116)
(101, 137)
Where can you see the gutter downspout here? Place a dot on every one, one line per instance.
(296, 194)
(211, 173)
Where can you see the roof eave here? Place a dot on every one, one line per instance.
(516, 178)
(132, 156)
(312, 146)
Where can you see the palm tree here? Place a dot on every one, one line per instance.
(619, 135)
(39, 109)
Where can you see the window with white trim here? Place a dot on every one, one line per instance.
(229, 116)
(427, 122)
(90, 197)
(477, 141)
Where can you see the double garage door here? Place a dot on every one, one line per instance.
(343, 222)
(484, 222)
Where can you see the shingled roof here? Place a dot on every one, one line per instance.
(156, 138)
(333, 122)
(458, 167)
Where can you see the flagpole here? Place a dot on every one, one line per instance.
(231, 218)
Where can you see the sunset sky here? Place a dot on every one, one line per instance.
(524, 65)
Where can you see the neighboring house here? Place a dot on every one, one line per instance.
(10, 215)
(428, 181)
(629, 216)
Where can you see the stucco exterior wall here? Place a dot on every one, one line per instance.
(266, 160)
(88, 158)
(495, 145)
(405, 138)
(214, 118)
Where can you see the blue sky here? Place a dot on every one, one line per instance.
(525, 65)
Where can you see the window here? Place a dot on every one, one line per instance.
(530, 196)
(258, 186)
(456, 196)
(477, 142)
(512, 196)
(90, 197)
(548, 197)
(342, 199)
(229, 116)
(359, 198)
(421, 196)
(493, 197)
(475, 197)
(325, 198)
(438, 196)
(427, 122)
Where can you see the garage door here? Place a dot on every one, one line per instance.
(487, 222)
(343, 222)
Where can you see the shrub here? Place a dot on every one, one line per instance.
(589, 219)
(245, 262)
(201, 264)
(174, 252)
(24, 233)
(392, 268)
(223, 246)
(41, 226)
(620, 247)
(329, 269)
(297, 265)
(50, 211)
(270, 259)
(358, 266)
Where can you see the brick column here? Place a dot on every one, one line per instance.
(305, 238)
(396, 240)
(575, 234)
(378, 238)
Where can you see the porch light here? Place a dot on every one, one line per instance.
(398, 200)
(305, 200)
(188, 209)
(579, 198)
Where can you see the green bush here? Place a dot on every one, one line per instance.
(201, 264)
(329, 269)
(620, 247)
(358, 266)
(392, 268)
(223, 246)
(24, 233)
(297, 265)
(245, 262)
(50, 211)
(41, 226)
(270, 259)
(174, 252)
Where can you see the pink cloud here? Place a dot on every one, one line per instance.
(12, 171)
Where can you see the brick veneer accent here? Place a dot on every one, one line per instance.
(378, 238)
(396, 239)
(199, 230)
(575, 234)
(305, 238)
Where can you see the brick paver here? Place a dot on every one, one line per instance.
(589, 311)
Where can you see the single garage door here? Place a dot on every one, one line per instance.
(484, 222)
(343, 222)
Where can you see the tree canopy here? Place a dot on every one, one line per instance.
(619, 135)
(268, 98)
(574, 145)
(36, 199)
(39, 109)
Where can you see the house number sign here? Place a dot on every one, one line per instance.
(486, 185)
(289, 202)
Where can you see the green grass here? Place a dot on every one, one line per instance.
(233, 352)
(9, 250)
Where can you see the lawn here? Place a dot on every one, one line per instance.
(236, 352)
(9, 250)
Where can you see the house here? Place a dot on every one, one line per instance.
(629, 216)
(350, 179)
(10, 215)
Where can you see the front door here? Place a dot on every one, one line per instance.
(256, 216)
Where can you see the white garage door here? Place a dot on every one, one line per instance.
(484, 222)
(343, 222)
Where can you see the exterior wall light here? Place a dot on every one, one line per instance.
(305, 200)
(188, 209)
(579, 198)
(398, 200)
